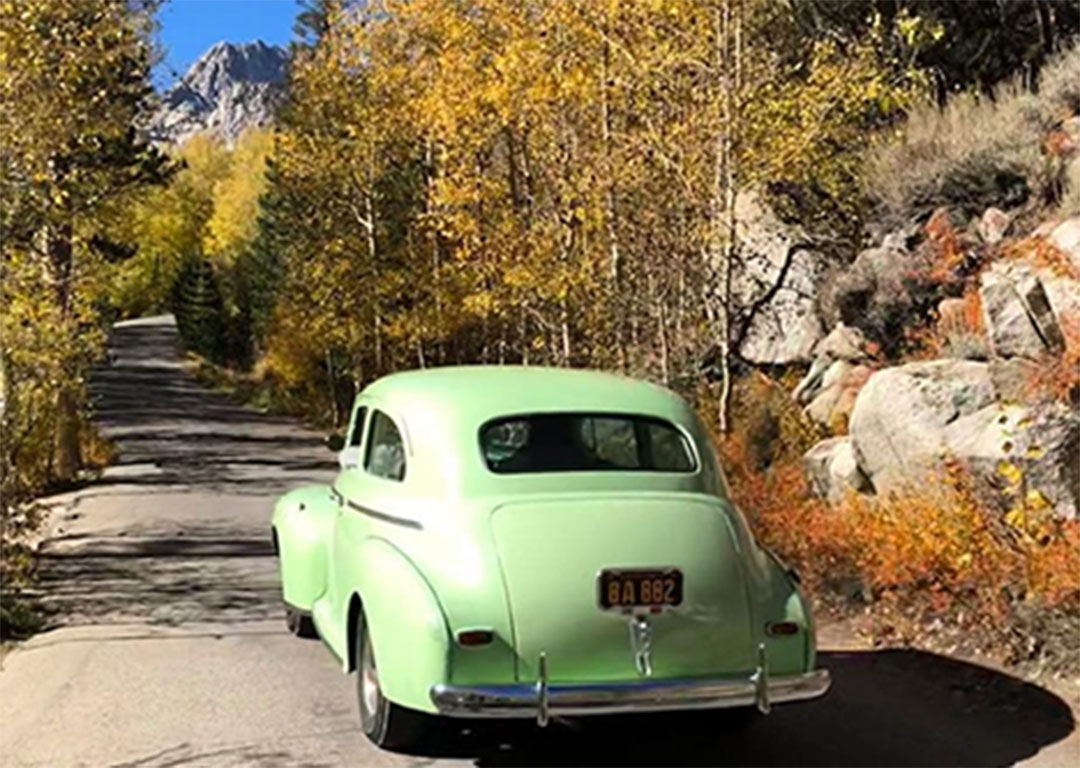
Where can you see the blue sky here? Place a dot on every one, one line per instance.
(189, 27)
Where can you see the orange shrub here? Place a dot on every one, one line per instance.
(1054, 566)
(966, 317)
(960, 331)
(786, 517)
(1043, 253)
(946, 250)
(1058, 377)
(941, 552)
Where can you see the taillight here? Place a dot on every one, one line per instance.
(781, 628)
(470, 638)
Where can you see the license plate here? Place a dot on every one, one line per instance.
(630, 589)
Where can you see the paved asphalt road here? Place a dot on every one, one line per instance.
(169, 646)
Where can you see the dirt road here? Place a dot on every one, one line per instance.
(169, 647)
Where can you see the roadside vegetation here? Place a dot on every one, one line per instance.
(73, 82)
(945, 565)
(561, 183)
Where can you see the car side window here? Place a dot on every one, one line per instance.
(357, 433)
(385, 448)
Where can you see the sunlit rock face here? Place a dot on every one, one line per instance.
(229, 89)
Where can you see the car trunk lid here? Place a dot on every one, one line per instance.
(552, 552)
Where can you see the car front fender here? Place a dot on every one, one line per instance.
(405, 621)
(302, 524)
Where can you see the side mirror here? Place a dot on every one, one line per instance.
(349, 458)
(335, 442)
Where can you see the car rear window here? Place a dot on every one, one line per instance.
(584, 442)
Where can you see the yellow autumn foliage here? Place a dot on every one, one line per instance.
(536, 181)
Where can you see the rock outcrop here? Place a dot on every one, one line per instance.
(909, 419)
(993, 226)
(1066, 237)
(874, 287)
(775, 284)
(1019, 317)
(229, 89)
(980, 407)
(840, 368)
(1042, 441)
(833, 469)
(901, 417)
(1063, 284)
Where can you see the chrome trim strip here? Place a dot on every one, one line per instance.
(403, 521)
(520, 700)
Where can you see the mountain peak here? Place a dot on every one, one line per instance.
(231, 87)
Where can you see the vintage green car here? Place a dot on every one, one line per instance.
(518, 542)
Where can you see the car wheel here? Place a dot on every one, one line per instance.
(386, 724)
(299, 624)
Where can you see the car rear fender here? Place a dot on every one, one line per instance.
(301, 525)
(780, 600)
(776, 597)
(406, 623)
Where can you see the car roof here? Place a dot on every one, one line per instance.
(440, 411)
(487, 391)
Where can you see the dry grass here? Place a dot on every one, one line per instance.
(972, 154)
(1059, 86)
(1070, 198)
(978, 151)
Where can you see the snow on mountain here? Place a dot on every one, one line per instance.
(230, 88)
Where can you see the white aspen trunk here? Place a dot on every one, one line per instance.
(524, 332)
(661, 330)
(68, 449)
(727, 53)
(5, 405)
(564, 326)
(335, 413)
(373, 254)
(436, 261)
(611, 214)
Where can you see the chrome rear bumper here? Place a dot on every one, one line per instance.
(541, 699)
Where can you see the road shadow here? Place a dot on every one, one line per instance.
(160, 417)
(179, 523)
(202, 575)
(886, 708)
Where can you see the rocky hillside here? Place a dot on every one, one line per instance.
(954, 339)
(230, 88)
(996, 390)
